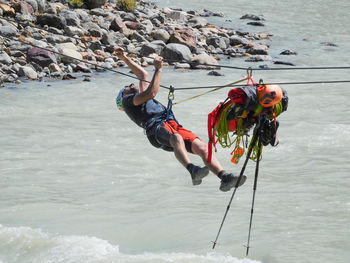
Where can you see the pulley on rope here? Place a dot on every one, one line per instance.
(170, 102)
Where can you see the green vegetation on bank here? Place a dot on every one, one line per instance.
(76, 3)
(126, 5)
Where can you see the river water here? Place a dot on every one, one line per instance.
(80, 182)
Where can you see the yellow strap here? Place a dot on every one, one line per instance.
(215, 89)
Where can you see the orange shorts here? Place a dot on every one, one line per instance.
(160, 135)
(174, 127)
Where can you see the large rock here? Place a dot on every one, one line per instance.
(147, 26)
(176, 52)
(94, 3)
(54, 39)
(259, 58)
(184, 37)
(8, 31)
(113, 38)
(95, 45)
(71, 17)
(150, 48)
(236, 41)
(133, 25)
(138, 37)
(33, 3)
(252, 17)
(117, 25)
(218, 42)
(4, 58)
(41, 56)
(161, 34)
(74, 31)
(38, 43)
(52, 20)
(41, 5)
(68, 45)
(256, 23)
(7, 10)
(27, 72)
(54, 68)
(175, 15)
(83, 15)
(99, 12)
(198, 21)
(23, 7)
(93, 29)
(70, 56)
(288, 52)
(258, 50)
(203, 61)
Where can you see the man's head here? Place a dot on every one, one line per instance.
(130, 89)
(269, 94)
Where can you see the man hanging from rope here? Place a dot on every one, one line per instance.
(241, 111)
(162, 129)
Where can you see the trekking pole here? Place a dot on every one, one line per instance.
(254, 190)
(253, 142)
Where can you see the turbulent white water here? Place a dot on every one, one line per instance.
(80, 182)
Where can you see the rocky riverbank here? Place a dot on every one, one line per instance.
(62, 39)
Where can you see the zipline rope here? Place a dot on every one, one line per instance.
(215, 89)
(276, 83)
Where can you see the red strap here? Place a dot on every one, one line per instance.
(212, 121)
(250, 80)
(210, 135)
(213, 118)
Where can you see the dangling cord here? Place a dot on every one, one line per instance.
(249, 76)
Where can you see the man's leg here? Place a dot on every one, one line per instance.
(181, 154)
(200, 148)
(177, 142)
(228, 180)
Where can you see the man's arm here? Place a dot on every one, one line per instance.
(153, 88)
(135, 68)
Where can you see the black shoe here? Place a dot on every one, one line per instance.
(198, 173)
(229, 180)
